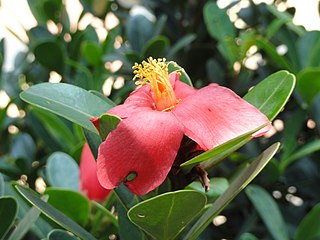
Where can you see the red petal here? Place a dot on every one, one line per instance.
(145, 144)
(89, 183)
(214, 115)
(181, 89)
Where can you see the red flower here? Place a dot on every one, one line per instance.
(89, 183)
(157, 115)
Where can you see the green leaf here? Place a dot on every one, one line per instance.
(73, 204)
(219, 186)
(1, 185)
(92, 53)
(105, 211)
(309, 49)
(165, 216)
(309, 227)
(62, 171)
(58, 234)
(93, 141)
(58, 217)
(103, 97)
(68, 101)
(8, 213)
(271, 94)
(308, 83)
(56, 127)
(26, 222)
(217, 154)
(180, 44)
(51, 55)
(173, 66)
(156, 47)
(107, 123)
(239, 183)
(303, 151)
(268, 211)
(218, 22)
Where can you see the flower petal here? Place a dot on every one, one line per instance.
(89, 184)
(214, 115)
(145, 144)
(181, 90)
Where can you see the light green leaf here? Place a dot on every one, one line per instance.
(26, 222)
(173, 66)
(268, 211)
(58, 234)
(219, 186)
(71, 203)
(58, 217)
(239, 183)
(271, 94)
(68, 101)
(92, 52)
(107, 123)
(8, 213)
(165, 216)
(309, 227)
(62, 171)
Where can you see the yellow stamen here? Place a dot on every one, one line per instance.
(155, 73)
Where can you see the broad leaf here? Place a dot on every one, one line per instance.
(8, 212)
(309, 228)
(218, 187)
(62, 171)
(271, 94)
(54, 214)
(68, 101)
(308, 83)
(156, 47)
(239, 183)
(73, 204)
(107, 123)
(173, 66)
(268, 211)
(26, 222)
(165, 216)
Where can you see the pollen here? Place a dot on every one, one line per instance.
(154, 72)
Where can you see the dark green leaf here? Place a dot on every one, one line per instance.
(54, 214)
(309, 49)
(270, 95)
(103, 97)
(165, 216)
(173, 66)
(218, 187)
(68, 101)
(1, 185)
(62, 171)
(51, 55)
(8, 213)
(107, 123)
(309, 228)
(156, 47)
(109, 214)
(58, 234)
(71, 203)
(268, 211)
(180, 44)
(26, 222)
(92, 52)
(308, 83)
(239, 183)
(93, 141)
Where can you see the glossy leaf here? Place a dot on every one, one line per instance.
(68, 101)
(271, 94)
(8, 212)
(309, 228)
(26, 222)
(56, 60)
(156, 47)
(93, 140)
(218, 187)
(269, 211)
(71, 203)
(54, 214)
(165, 216)
(308, 83)
(62, 171)
(173, 66)
(309, 49)
(107, 123)
(180, 44)
(239, 183)
(58, 234)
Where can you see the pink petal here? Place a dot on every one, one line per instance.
(145, 144)
(182, 90)
(89, 184)
(214, 115)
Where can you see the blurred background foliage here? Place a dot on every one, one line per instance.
(235, 46)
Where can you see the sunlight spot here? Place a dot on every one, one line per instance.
(311, 124)
(236, 67)
(13, 111)
(53, 28)
(282, 49)
(4, 99)
(296, 201)
(278, 125)
(111, 21)
(113, 66)
(277, 194)
(55, 77)
(107, 86)
(40, 185)
(292, 189)
(119, 83)
(12, 129)
(219, 220)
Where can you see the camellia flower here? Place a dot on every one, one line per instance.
(89, 184)
(157, 116)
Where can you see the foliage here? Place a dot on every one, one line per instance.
(54, 124)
